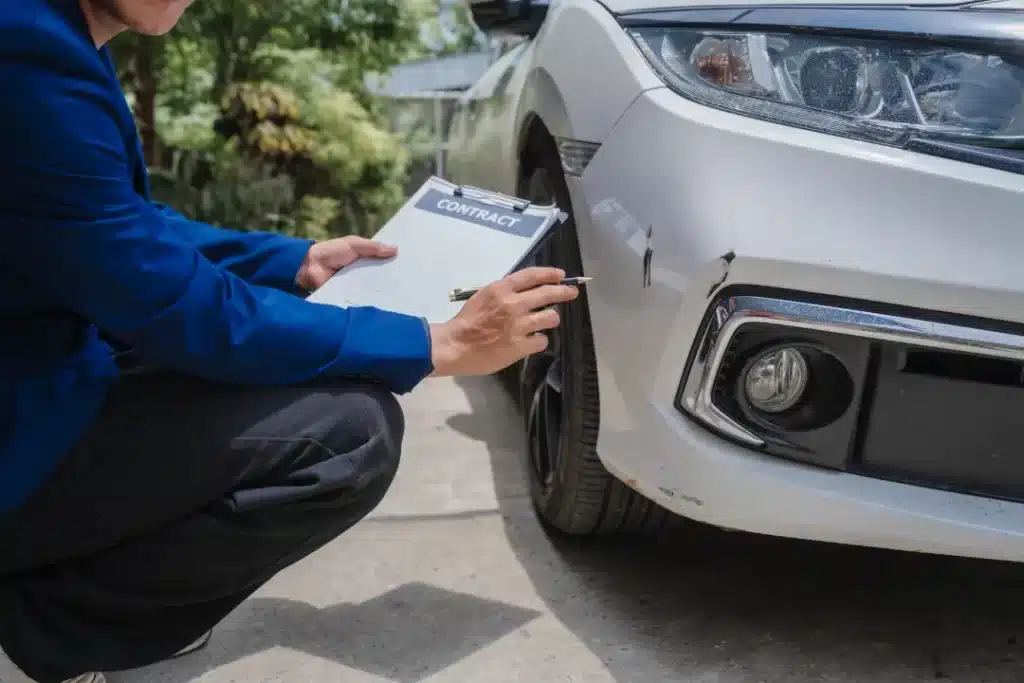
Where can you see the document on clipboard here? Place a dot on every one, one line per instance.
(448, 236)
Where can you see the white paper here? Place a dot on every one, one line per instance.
(445, 241)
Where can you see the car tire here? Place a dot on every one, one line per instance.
(571, 491)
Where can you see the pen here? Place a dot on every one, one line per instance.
(464, 294)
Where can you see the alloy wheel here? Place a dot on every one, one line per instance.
(543, 377)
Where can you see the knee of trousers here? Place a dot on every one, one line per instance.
(336, 446)
(368, 428)
(388, 426)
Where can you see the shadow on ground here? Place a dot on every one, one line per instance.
(708, 605)
(405, 635)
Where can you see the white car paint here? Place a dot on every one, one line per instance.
(857, 199)
(494, 112)
(798, 209)
(630, 5)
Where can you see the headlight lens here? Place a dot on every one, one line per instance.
(880, 91)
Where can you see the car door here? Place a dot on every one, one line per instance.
(481, 147)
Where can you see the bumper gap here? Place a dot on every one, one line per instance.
(958, 366)
(947, 420)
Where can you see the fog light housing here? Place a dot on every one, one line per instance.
(776, 380)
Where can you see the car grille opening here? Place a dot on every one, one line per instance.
(962, 367)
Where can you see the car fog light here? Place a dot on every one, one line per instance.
(776, 380)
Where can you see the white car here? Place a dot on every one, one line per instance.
(805, 225)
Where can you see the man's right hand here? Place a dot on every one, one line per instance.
(501, 324)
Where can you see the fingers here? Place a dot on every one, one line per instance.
(529, 278)
(546, 295)
(538, 321)
(367, 248)
(535, 343)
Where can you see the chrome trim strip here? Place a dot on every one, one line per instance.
(734, 312)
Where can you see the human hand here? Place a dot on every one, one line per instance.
(500, 324)
(326, 258)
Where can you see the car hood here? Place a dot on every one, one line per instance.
(617, 6)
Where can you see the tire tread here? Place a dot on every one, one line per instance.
(591, 501)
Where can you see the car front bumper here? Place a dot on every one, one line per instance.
(729, 206)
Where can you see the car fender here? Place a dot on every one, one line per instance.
(541, 100)
(579, 88)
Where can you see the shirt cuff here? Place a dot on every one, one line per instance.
(392, 348)
(282, 268)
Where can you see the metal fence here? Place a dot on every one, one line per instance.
(424, 119)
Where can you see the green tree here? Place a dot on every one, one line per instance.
(322, 136)
(220, 42)
(254, 114)
(455, 32)
(373, 35)
(140, 62)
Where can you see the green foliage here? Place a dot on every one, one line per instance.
(266, 120)
(221, 187)
(457, 35)
(373, 35)
(192, 131)
(254, 114)
(359, 162)
(326, 142)
(187, 75)
(316, 217)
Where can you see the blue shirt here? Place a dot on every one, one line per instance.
(86, 255)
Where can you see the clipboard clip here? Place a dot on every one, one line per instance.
(518, 205)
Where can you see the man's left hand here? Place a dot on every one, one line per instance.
(324, 259)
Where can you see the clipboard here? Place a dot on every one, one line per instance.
(448, 236)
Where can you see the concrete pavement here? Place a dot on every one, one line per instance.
(452, 581)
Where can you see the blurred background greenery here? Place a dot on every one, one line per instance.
(257, 115)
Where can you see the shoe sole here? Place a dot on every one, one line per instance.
(196, 645)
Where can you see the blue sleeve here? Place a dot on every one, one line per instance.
(262, 258)
(72, 225)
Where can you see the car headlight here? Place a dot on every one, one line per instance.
(890, 91)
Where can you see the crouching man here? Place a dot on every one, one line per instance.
(140, 505)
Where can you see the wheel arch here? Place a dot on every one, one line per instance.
(536, 139)
(543, 117)
(559, 75)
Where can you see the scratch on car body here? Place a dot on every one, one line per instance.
(726, 260)
(648, 257)
(672, 493)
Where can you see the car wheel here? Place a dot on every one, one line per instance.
(558, 393)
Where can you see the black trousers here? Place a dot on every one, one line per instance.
(182, 500)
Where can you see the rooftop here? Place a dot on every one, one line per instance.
(452, 73)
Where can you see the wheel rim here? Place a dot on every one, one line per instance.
(543, 380)
(546, 416)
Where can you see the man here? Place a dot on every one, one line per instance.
(140, 506)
